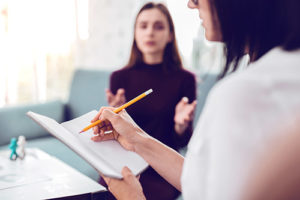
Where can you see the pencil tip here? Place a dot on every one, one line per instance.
(81, 131)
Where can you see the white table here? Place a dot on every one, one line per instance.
(41, 176)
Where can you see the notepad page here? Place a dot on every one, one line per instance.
(110, 151)
(74, 143)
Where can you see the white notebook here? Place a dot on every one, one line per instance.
(108, 157)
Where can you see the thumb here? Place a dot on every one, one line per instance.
(185, 100)
(109, 115)
(108, 95)
(121, 91)
(126, 172)
(194, 103)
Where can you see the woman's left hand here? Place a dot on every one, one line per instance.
(127, 188)
(184, 113)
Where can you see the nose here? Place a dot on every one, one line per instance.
(191, 5)
(150, 30)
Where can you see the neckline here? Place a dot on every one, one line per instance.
(157, 66)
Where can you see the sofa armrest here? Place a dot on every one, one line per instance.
(14, 122)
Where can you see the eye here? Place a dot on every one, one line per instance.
(195, 2)
(159, 26)
(142, 25)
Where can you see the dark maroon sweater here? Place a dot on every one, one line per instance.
(155, 113)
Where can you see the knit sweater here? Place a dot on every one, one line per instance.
(155, 113)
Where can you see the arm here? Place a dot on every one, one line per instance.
(164, 160)
(167, 162)
(185, 110)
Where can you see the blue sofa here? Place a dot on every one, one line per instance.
(87, 93)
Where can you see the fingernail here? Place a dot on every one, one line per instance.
(107, 132)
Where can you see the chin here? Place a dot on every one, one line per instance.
(150, 51)
(212, 37)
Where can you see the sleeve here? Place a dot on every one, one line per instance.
(116, 81)
(188, 90)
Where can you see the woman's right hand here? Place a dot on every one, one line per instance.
(115, 100)
(120, 127)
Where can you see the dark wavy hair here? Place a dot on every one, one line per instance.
(255, 27)
(171, 58)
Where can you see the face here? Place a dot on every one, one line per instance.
(152, 32)
(209, 20)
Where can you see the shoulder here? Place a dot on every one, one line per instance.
(241, 91)
(119, 73)
(186, 75)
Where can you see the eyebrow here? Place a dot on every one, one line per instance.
(155, 22)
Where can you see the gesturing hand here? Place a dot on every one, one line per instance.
(127, 188)
(184, 113)
(115, 100)
(121, 127)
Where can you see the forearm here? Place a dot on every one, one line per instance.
(164, 160)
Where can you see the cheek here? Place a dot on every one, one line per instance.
(164, 37)
(212, 30)
(138, 37)
(211, 35)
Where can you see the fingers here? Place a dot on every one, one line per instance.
(120, 92)
(109, 115)
(97, 117)
(185, 111)
(103, 131)
(109, 96)
(194, 104)
(185, 100)
(119, 97)
(115, 100)
(126, 172)
(103, 137)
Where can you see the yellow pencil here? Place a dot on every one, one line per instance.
(117, 110)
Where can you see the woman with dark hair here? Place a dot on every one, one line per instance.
(155, 63)
(242, 111)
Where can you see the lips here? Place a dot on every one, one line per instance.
(150, 43)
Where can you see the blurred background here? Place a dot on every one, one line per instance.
(42, 42)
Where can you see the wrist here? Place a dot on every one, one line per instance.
(180, 128)
(140, 144)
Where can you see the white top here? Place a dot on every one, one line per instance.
(239, 118)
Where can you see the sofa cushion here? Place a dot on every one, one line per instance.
(14, 122)
(87, 92)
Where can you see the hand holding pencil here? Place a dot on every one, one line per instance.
(117, 110)
(121, 127)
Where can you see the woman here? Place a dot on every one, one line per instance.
(155, 63)
(241, 111)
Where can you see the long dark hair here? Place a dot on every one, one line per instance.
(255, 27)
(171, 58)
